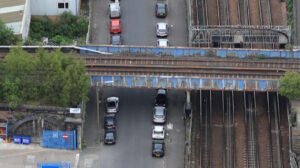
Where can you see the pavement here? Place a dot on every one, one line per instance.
(27, 156)
(297, 21)
(134, 128)
(139, 21)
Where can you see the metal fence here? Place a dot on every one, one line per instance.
(185, 83)
(187, 51)
(59, 139)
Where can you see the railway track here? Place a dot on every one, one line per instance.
(205, 118)
(275, 133)
(93, 61)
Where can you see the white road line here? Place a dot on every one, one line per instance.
(76, 160)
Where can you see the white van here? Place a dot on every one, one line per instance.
(114, 10)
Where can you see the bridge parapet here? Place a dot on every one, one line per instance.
(185, 83)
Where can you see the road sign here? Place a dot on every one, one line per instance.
(65, 136)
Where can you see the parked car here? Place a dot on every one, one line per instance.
(112, 105)
(162, 29)
(162, 43)
(158, 132)
(158, 148)
(110, 137)
(114, 10)
(159, 115)
(110, 121)
(161, 9)
(115, 26)
(116, 39)
(161, 98)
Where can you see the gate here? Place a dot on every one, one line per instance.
(59, 139)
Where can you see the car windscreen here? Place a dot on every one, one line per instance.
(115, 27)
(161, 8)
(157, 132)
(158, 146)
(109, 135)
(111, 104)
(109, 121)
(159, 112)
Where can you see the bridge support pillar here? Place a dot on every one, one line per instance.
(188, 97)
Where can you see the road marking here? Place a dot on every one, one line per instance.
(24, 153)
(76, 160)
(169, 126)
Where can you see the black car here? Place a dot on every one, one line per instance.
(110, 137)
(161, 9)
(110, 121)
(116, 39)
(158, 148)
(161, 98)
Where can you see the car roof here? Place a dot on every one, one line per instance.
(161, 91)
(159, 108)
(162, 42)
(115, 21)
(159, 128)
(109, 99)
(162, 25)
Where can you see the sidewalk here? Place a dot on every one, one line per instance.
(27, 156)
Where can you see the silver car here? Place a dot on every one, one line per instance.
(112, 105)
(159, 115)
(162, 29)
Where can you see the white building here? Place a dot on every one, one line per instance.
(54, 7)
(16, 15)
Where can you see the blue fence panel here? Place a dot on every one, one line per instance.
(129, 81)
(262, 85)
(228, 84)
(206, 83)
(107, 80)
(218, 84)
(162, 82)
(140, 81)
(172, 83)
(240, 84)
(58, 139)
(195, 83)
(54, 165)
(118, 80)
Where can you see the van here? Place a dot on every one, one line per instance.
(114, 10)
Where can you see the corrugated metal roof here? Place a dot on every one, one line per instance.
(11, 17)
(9, 3)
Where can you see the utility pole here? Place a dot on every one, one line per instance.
(98, 109)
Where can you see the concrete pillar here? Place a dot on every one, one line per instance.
(188, 97)
(34, 127)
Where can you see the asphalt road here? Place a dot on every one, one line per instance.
(134, 128)
(139, 21)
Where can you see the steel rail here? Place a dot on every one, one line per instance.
(190, 61)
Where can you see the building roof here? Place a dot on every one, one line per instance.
(11, 3)
(11, 17)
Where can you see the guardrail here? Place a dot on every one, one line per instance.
(192, 51)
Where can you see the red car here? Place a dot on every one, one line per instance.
(115, 26)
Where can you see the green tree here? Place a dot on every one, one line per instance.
(19, 84)
(77, 84)
(7, 36)
(290, 85)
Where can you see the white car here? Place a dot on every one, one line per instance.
(162, 29)
(158, 132)
(159, 115)
(112, 104)
(162, 43)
